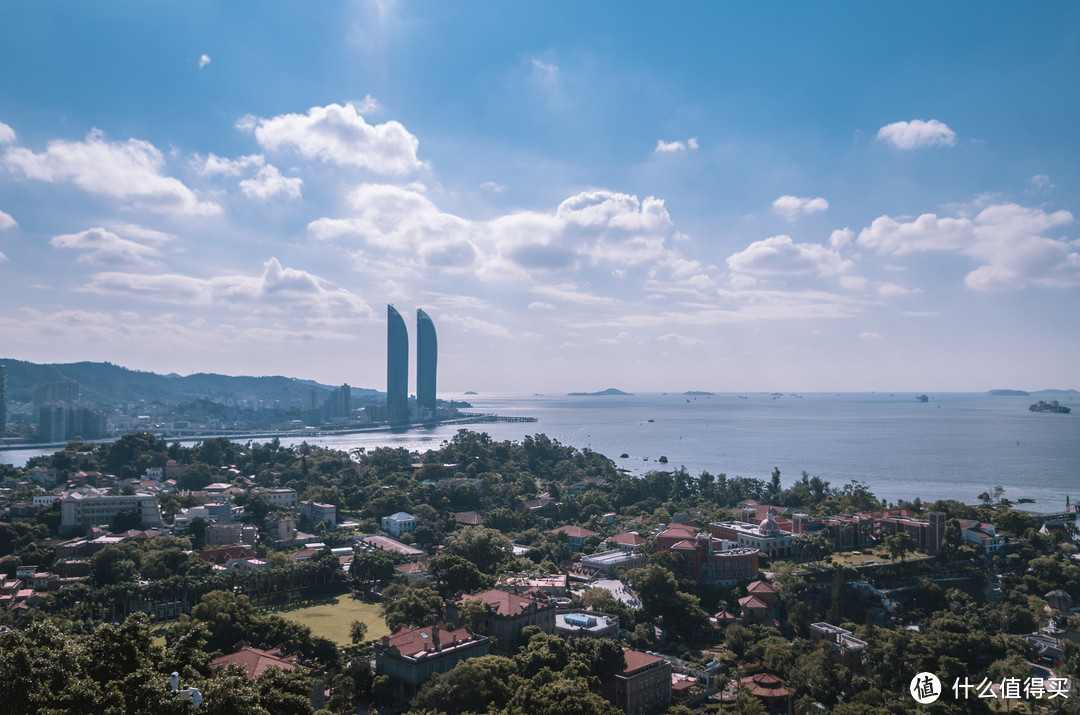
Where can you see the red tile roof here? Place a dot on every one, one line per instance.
(503, 603)
(413, 641)
(575, 531)
(760, 587)
(636, 660)
(253, 661)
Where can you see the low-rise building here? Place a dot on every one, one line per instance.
(411, 656)
(281, 496)
(574, 535)
(766, 537)
(508, 613)
(609, 562)
(399, 523)
(848, 650)
(586, 624)
(981, 534)
(229, 534)
(315, 513)
(88, 507)
(643, 686)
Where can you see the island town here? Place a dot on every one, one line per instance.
(512, 577)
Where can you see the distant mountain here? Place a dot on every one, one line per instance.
(1055, 392)
(104, 383)
(602, 393)
(1009, 393)
(697, 393)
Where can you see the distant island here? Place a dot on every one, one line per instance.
(469, 392)
(1041, 406)
(698, 393)
(1009, 393)
(922, 398)
(602, 393)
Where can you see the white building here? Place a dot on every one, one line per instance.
(282, 496)
(400, 523)
(90, 507)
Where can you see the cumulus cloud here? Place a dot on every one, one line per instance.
(6, 221)
(101, 247)
(1006, 239)
(278, 289)
(7, 134)
(663, 147)
(214, 165)
(540, 305)
(269, 183)
(130, 171)
(779, 255)
(681, 339)
(204, 60)
(892, 289)
(841, 238)
(917, 134)
(1040, 182)
(339, 134)
(493, 187)
(792, 207)
(593, 226)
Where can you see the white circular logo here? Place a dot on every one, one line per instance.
(925, 688)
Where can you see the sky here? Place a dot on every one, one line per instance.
(704, 196)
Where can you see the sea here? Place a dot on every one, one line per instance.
(954, 446)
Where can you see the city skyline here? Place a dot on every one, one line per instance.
(725, 198)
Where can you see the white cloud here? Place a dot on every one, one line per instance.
(570, 293)
(278, 290)
(841, 238)
(6, 221)
(493, 187)
(130, 171)
(269, 182)
(1040, 182)
(891, 289)
(917, 134)
(475, 325)
(681, 339)
(663, 147)
(101, 247)
(545, 71)
(214, 165)
(7, 134)
(540, 305)
(3, 258)
(792, 207)
(593, 226)
(779, 255)
(338, 134)
(855, 283)
(1006, 239)
(204, 60)
(868, 336)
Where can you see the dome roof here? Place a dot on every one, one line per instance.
(768, 526)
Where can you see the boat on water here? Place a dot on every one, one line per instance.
(1054, 406)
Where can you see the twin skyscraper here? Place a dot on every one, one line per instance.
(397, 367)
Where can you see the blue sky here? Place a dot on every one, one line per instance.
(716, 196)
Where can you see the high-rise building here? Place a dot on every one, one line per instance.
(397, 368)
(427, 358)
(3, 400)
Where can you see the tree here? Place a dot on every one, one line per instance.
(486, 548)
(899, 544)
(456, 575)
(358, 632)
(415, 607)
(124, 520)
(811, 548)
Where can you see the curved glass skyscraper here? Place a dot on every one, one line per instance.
(427, 358)
(397, 368)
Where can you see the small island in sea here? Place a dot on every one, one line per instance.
(1053, 406)
(602, 393)
(922, 398)
(698, 393)
(1009, 393)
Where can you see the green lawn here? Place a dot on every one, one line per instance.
(332, 619)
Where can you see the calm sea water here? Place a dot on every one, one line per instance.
(956, 446)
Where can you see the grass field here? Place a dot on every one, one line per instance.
(331, 619)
